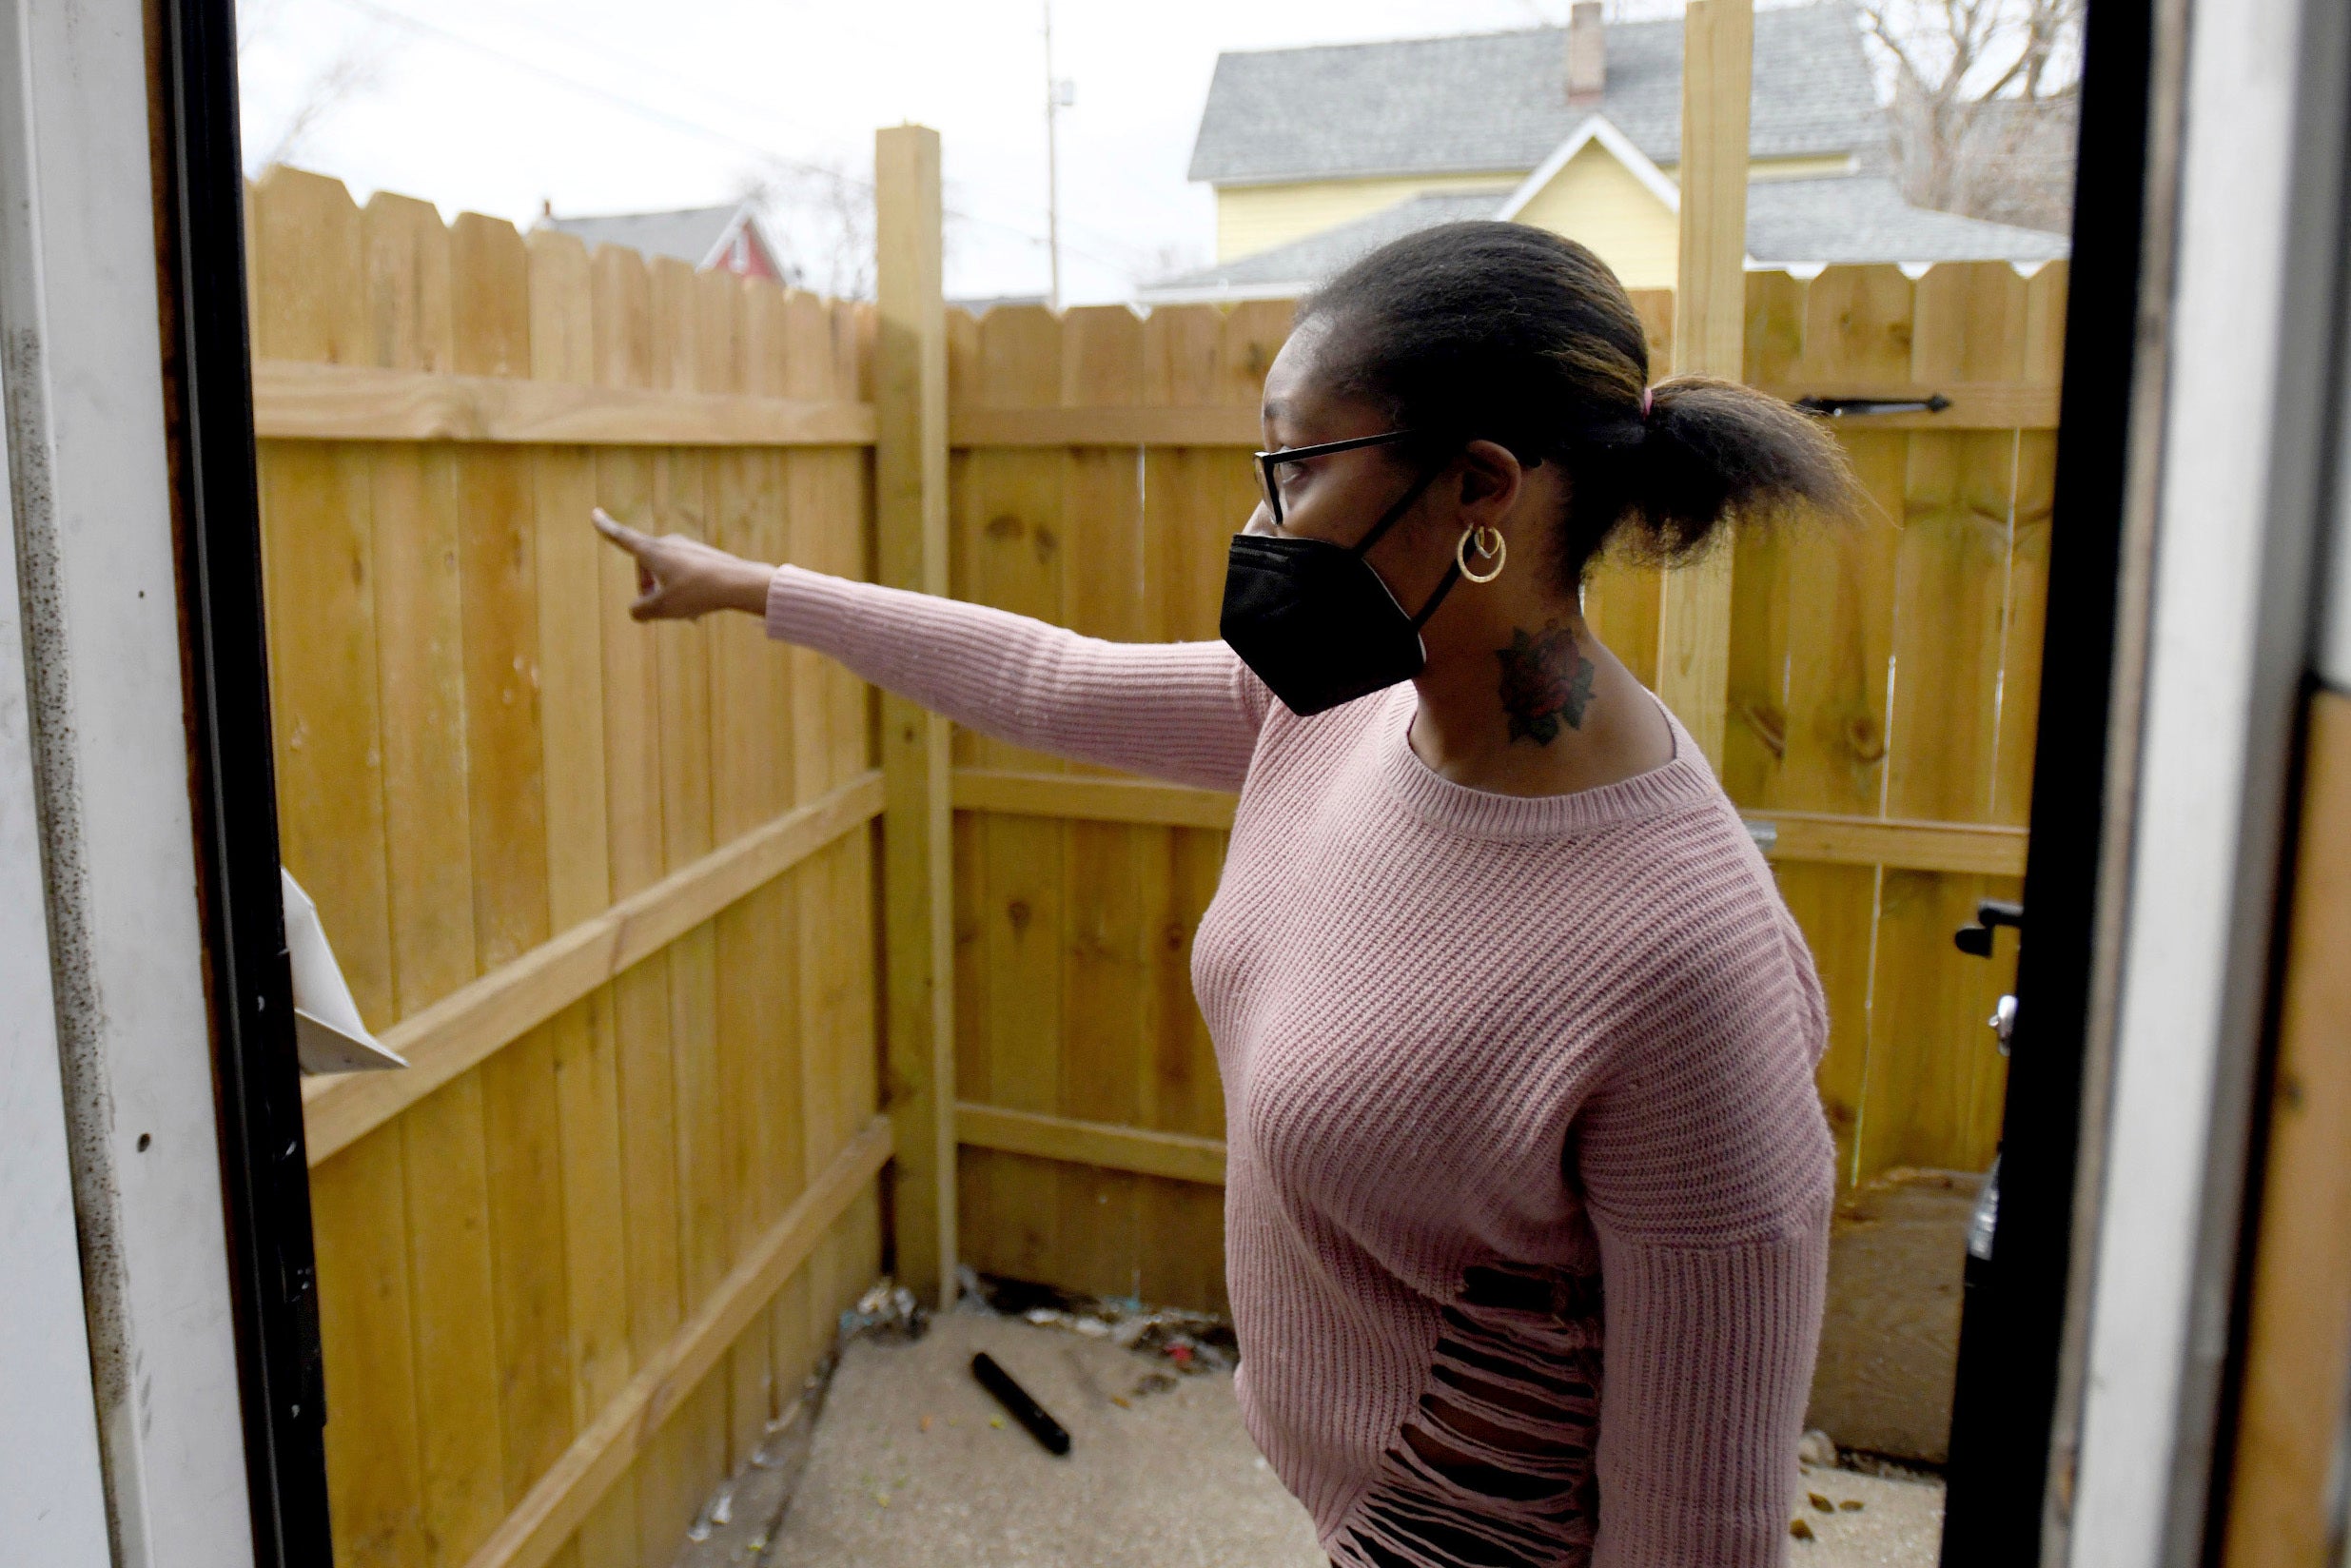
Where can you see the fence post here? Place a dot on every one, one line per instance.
(1710, 317)
(910, 496)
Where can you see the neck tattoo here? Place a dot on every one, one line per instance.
(1546, 679)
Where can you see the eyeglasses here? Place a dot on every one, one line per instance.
(1270, 487)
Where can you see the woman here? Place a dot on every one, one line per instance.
(1511, 1019)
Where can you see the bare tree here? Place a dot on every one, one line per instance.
(353, 70)
(820, 216)
(356, 69)
(1984, 102)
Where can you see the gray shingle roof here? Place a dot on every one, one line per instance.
(1793, 223)
(689, 234)
(1789, 223)
(1301, 264)
(1498, 101)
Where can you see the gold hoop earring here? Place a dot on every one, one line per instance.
(1499, 552)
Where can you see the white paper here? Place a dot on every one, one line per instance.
(328, 1035)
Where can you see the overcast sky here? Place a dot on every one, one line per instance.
(604, 105)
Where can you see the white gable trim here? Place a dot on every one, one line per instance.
(745, 222)
(1225, 293)
(1598, 128)
(717, 251)
(1619, 146)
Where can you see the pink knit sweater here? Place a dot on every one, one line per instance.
(1527, 1185)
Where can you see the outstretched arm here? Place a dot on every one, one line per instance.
(1184, 711)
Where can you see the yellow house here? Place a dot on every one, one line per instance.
(1320, 154)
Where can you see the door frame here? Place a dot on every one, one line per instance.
(200, 222)
(2182, 595)
(2252, 95)
(52, 1488)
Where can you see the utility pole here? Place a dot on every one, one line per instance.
(1058, 95)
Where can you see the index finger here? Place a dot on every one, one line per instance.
(617, 531)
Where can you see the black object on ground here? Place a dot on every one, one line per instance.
(1015, 1398)
(1016, 1298)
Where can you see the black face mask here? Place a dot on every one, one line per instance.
(1315, 622)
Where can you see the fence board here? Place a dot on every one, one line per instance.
(1012, 552)
(741, 735)
(1192, 499)
(523, 1164)
(373, 1467)
(319, 564)
(490, 313)
(582, 1038)
(420, 625)
(799, 1321)
(762, 937)
(849, 921)
(693, 1440)
(2029, 554)
(457, 1370)
(1114, 873)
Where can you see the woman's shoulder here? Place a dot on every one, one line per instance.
(1701, 911)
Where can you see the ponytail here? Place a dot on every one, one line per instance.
(1712, 450)
(1509, 333)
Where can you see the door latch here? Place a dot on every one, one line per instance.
(1990, 914)
(1838, 408)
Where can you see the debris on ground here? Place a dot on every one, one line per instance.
(716, 1514)
(738, 1525)
(1816, 1450)
(1188, 1341)
(888, 1311)
(1862, 1463)
(740, 1521)
(1850, 1520)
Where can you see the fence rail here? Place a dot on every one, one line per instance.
(1823, 837)
(297, 402)
(1970, 405)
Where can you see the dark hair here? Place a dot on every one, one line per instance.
(1512, 334)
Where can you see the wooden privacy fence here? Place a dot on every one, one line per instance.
(688, 937)
(1878, 717)
(610, 888)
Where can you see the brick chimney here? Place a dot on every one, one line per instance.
(1587, 54)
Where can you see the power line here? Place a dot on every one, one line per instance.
(680, 123)
(721, 96)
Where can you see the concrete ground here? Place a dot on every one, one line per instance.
(1899, 1523)
(912, 1463)
(1173, 1482)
